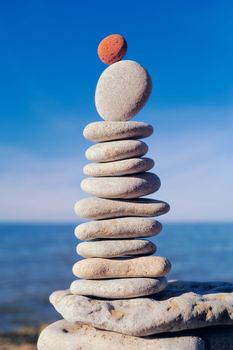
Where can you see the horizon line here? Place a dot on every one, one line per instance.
(80, 221)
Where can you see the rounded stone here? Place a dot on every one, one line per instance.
(63, 335)
(116, 150)
(100, 208)
(112, 48)
(132, 186)
(116, 248)
(108, 131)
(129, 227)
(119, 168)
(122, 288)
(98, 268)
(122, 91)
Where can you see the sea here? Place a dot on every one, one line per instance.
(36, 259)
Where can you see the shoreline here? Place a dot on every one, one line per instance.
(24, 338)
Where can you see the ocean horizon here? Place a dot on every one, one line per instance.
(37, 258)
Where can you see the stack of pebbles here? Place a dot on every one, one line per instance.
(115, 303)
(119, 264)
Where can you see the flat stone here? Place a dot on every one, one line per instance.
(115, 248)
(121, 288)
(108, 131)
(63, 335)
(100, 208)
(122, 91)
(131, 186)
(120, 167)
(130, 227)
(181, 306)
(116, 150)
(98, 268)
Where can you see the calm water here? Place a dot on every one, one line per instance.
(37, 259)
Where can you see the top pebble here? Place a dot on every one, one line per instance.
(112, 48)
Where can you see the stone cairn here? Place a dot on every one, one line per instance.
(118, 263)
(106, 307)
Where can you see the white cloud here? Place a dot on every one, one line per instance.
(195, 167)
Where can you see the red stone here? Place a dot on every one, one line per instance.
(112, 48)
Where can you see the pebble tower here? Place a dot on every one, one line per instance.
(118, 259)
(119, 262)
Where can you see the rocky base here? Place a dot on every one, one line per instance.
(215, 338)
(63, 335)
(182, 306)
(187, 315)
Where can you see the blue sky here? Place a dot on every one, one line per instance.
(49, 69)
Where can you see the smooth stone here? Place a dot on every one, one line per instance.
(181, 306)
(100, 208)
(125, 187)
(112, 48)
(63, 335)
(115, 248)
(122, 288)
(130, 227)
(145, 266)
(122, 91)
(116, 150)
(119, 168)
(108, 131)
